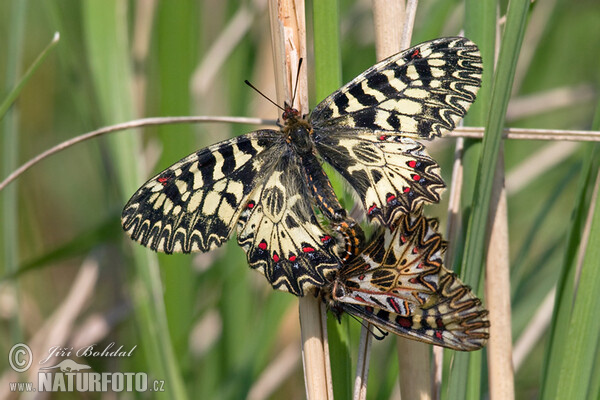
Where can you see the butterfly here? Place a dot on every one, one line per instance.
(399, 284)
(268, 184)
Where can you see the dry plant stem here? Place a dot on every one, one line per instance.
(497, 288)
(409, 22)
(473, 133)
(121, 127)
(362, 363)
(415, 379)
(388, 31)
(530, 134)
(315, 351)
(412, 356)
(534, 330)
(288, 33)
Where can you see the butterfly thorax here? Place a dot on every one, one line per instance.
(297, 132)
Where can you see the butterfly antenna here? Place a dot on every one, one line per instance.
(263, 95)
(297, 79)
(380, 335)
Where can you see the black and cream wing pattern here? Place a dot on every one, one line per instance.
(268, 184)
(251, 181)
(400, 285)
(367, 130)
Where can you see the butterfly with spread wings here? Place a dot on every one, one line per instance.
(267, 183)
(399, 284)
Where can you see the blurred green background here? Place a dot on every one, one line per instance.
(225, 326)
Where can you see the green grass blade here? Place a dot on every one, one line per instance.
(14, 93)
(563, 308)
(328, 78)
(584, 329)
(476, 233)
(176, 37)
(106, 38)
(504, 74)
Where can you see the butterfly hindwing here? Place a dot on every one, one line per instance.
(280, 233)
(194, 204)
(420, 92)
(400, 284)
(390, 174)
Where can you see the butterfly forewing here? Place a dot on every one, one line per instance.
(420, 92)
(400, 285)
(194, 204)
(281, 236)
(391, 174)
(365, 130)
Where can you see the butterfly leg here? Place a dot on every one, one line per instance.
(322, 191)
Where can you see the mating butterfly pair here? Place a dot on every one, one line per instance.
(267, 183)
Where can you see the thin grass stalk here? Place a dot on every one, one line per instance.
(9, 139)
(497, 293)
(288, 32)
(460, 132)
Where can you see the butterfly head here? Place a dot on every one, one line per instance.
(289, 113)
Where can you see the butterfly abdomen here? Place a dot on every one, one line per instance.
(322, 192)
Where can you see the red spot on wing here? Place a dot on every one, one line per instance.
(369, 310)
(406, 189)
(413, 280)
(308, 249)
(326, 239)
(361, 277)
(262, 245)
(415, 250)
(251, 205)
(275, 257)
(403, 238)
(416, 177)
(404, 322)
(292, 257)
(372, 208)
(391, 198)
(358, 298)
(412, 163)
(438, 335)
(163, 180)
(416, 54)
(382, 137)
